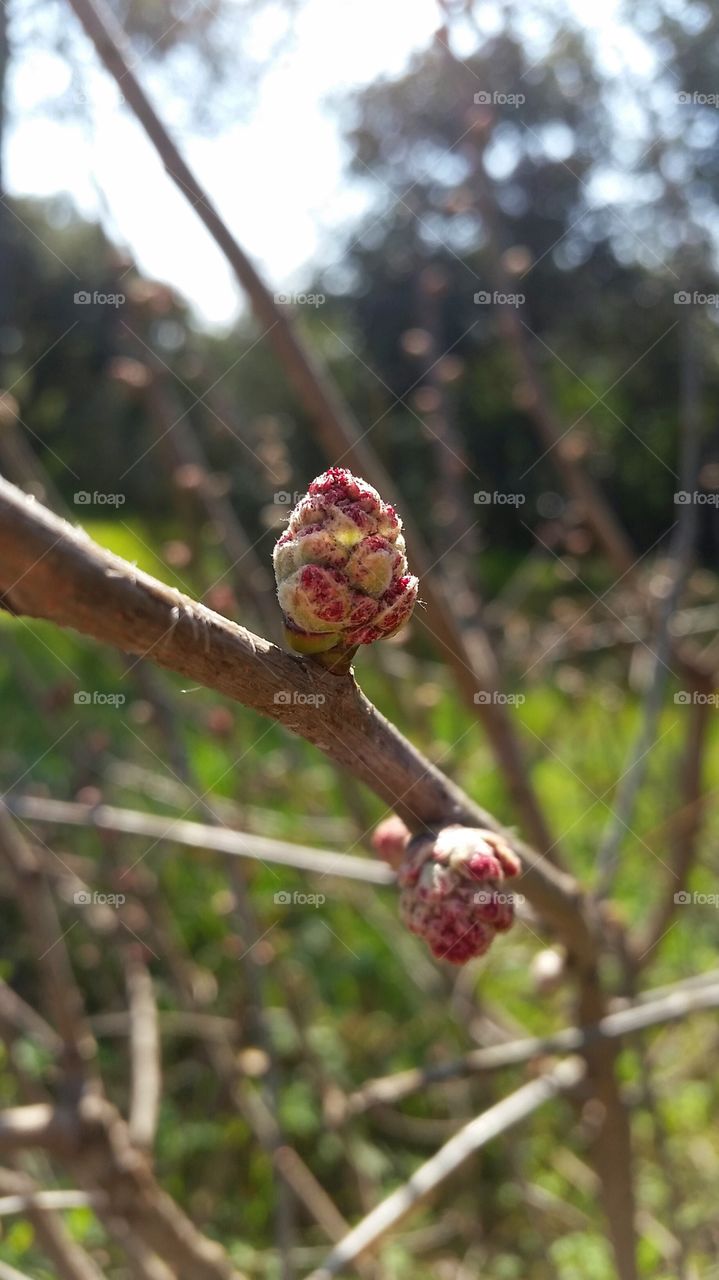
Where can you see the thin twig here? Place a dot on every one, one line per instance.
(510, 1111)
(57, 1200)
(42, 1209)
(49, 569)
(680, 559)
(335, 426)
(62, 998)
(673, 1005)
(685, 829)
(145, 1054)
(94, 1140)
(198, 835)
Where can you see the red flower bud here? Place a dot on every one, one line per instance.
(340, 567)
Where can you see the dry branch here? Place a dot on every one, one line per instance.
(95, 1142)
(62, 998)
(11, 1273)
(145, 1053)
(639, 1016)
(48, 569)
(475, 667)
(71, 1262)
(517, 1106)
(198, 835)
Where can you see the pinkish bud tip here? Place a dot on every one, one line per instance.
(340, 567)
(453, 890)
(389, 839)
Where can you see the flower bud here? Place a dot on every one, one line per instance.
(340, 567)
(453, 890)
(389, 839)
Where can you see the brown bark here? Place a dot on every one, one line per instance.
(48, 569)
(337, 430)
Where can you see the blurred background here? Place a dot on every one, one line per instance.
(497, 225)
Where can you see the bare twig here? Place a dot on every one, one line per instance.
(669, 1006)
(42, 1208)
(611, 1145)
(336, 428)
(145, 1054)
(251, 578)
(50, 570)
(677, 573)
(685, 829)
(510, 1111)
(198, 835)
(36, 1125)
(19, 1018)
(11, 1273)
(22, 1201)
(95, 1142)
(63, 1001)
(87, 1131)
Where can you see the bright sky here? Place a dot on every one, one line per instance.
(278, 178)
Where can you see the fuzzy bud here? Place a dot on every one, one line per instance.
(340, 567)
(453, 890)
(389, 839)
(548, 969)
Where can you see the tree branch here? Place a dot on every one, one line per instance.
(474, 665)
(95, 1141)
(639, 1016)
(48, 569)
(198, 835)
(517, 1106)
(145, 1053)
